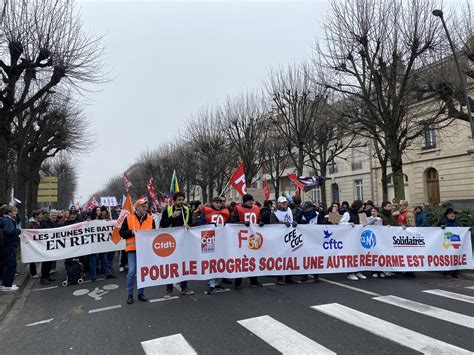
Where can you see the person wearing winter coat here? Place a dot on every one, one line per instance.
(11, 240)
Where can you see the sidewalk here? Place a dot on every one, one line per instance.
(7, 299)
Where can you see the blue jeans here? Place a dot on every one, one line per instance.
(132, 270)
(104, 261)
(9, 266)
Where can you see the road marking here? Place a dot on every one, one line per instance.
(40, 322)
(163, 299)
(470, 287)
(269, 284)
(45, 288)
(452, 295)
(387, 330)
(281, 337)
(173, 344)
(104, 309)
(435, 312)
(350, 287)
(87, 281)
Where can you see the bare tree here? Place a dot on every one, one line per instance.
(42, 44)
(64, 168)
(374, 51)
(245, 127)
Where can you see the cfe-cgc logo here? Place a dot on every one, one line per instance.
(254, 241)
(208, 241)
(451, 240)
(368, 239)
(295, 240)
(164, 245)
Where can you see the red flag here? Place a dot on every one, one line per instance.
(267, 189)
(93, 203)
(294, 178)
(126, 181)
(238, 180)
(151, 191)
(127, 209)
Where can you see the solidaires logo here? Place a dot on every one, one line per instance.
(368, 239)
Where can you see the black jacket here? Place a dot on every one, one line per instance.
(265, 215)
(49, 224)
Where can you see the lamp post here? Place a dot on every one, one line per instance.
(439, 13)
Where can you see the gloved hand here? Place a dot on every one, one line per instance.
(247, 224)
(294, 224)
(288, 224)
(443, 227)
(261, 224)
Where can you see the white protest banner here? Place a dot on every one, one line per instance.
(108, 201)
(166, 256)
(66, 242)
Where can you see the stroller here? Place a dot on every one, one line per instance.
(74, 272)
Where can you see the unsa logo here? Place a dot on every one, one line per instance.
(164, 245)
(368, 239)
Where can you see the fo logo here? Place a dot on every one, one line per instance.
(368, 239)
(164, 245)
(254, 241)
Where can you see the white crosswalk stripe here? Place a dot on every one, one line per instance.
(281, 337)
(173, 344)
(387, 330)
(452, 295)
(435, 312)
(470, 287)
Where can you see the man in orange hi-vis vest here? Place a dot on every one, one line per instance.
(140, 220)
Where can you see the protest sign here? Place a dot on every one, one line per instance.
(171, 255)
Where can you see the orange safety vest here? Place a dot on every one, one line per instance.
(134, 224)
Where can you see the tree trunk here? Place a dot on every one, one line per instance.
(300, 160)
(397, 174)
(4, 195)
(383, 165)
(204, 192)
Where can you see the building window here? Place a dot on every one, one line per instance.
(390, 179)
(429, 137)
(316, 194)
(359, 189)
(357, 158)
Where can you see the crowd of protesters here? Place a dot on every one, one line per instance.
(289, 211)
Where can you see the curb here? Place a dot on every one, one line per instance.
(8, 299)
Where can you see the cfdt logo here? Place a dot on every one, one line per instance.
(254, 241)
(295, 240)
(331, 243)
(451, 240)
(164, 245)
(208, 240)
(368, 239)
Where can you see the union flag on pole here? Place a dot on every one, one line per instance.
(298, 183)
(127, 182)
(266, 189)
(127, 209)
(151, 191)
(93, 203)
(238, 180)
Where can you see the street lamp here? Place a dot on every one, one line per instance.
(439, 13)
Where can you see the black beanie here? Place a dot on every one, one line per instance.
(247, 198)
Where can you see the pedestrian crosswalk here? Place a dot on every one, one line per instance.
(281, 337)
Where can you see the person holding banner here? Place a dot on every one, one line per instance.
(217, 214)
(46, 266)
(247, 213)
(140, 220)
(177, 215)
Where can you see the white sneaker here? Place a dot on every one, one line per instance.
(389, 274)
(382, 275)
(121, 269)
(352, 277)
(375, 275)
(52, 271)
(360, 276)
(10, 289)
(35, 276)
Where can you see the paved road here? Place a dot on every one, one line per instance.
(428, 314)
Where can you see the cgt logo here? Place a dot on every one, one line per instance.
(208, 240)
(451, 240)
(164, 245)
(331, 243)
(368, 239)
(254, 241)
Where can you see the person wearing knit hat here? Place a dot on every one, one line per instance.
(247, 213)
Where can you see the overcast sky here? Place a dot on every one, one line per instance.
(168, 59)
